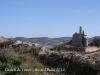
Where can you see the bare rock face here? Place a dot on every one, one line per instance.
(17, 43)
(36, 44)
(27, 44)
(43, 51)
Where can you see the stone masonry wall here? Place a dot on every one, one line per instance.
(91, 49)
(75, 49)
(77, 40)
(85, 49)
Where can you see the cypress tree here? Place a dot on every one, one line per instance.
(83, 43)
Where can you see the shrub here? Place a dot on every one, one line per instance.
(96, 42)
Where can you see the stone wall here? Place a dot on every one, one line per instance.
(78, 48)
(85, 49)
(75, 49)
(85, 41)
(77, 40)
(91, 49)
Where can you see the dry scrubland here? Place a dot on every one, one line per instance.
(22, 59)
(27, 59)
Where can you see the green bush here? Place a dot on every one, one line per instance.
(95, 42)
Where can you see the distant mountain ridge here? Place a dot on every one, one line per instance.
(48, 41)
(45, 40)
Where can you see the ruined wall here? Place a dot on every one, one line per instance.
(85, 41)
(84, 49)
(78, 48)
(74, 48)
(77, 40)
(91, 49)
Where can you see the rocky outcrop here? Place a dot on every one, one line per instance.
(17, 43)
(2, 39)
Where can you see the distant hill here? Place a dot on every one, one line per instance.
(48, 41)
(45, 40)
(22, 39)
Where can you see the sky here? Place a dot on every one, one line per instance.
(49, 18)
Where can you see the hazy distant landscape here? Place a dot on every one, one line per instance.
(48, 41)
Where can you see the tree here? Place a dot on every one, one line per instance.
(83, 43)
(96, 42)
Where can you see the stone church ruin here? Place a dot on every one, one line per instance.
(80, 42)
(80, 39)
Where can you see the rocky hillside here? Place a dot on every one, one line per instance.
(21, 55)
(20, 58)
(74, 63)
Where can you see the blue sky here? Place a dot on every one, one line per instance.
(49, 18)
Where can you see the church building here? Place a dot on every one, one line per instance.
(80, 39)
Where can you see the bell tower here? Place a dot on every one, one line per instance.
(80, 30)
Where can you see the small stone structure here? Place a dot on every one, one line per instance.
(80, 39)
(80, 43)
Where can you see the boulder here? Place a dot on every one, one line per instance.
(17, 43)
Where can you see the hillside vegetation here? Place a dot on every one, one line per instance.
(20, 59)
